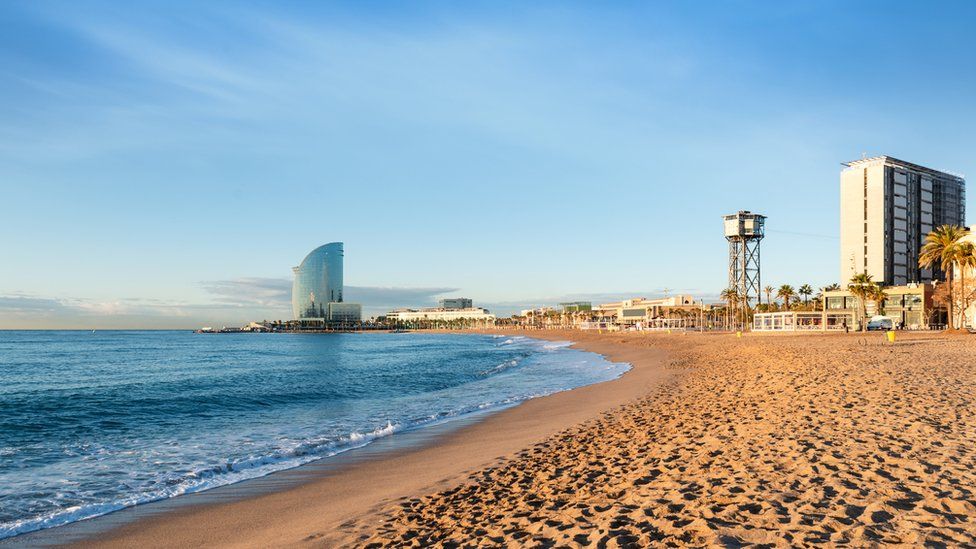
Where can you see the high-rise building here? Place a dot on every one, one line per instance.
(318, 282)
(887, 206)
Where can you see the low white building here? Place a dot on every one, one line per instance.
(345, 312)
(642, 310)
(793, 321)
(337, 312)
(441, 314)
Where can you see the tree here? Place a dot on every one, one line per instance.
(877, 294)
(731, 296)
(861, 287)
(832, 288)
(806, 291)
(941, 249)
(769, 296)
(966, 259)
(787, 293)
(940, 297)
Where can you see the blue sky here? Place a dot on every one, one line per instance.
(166, 164)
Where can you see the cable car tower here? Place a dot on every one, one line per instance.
(744, 231)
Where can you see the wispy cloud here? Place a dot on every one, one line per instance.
(291, 74)
(19, 305)
(250, 291)
(26, 311)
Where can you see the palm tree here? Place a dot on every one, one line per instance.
(806, 291)
(877, 294)
(966, 258)
(731, 296)
(941, 248)
(787, 293)
(769, 296)
(861, 287)
(832, 288)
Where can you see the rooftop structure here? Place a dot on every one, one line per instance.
(576, 306)
(887, 207)
(456, 303)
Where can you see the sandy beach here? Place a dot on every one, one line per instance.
(765, 440)
(709, 440)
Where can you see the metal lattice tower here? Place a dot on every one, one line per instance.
(744, 231)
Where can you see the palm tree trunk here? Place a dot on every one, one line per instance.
(864, 314)
(962, 283)
(952, 319)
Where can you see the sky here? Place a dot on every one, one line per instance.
(165, 164)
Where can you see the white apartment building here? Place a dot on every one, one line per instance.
(887, 206)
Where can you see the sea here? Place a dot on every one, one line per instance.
(93, 422)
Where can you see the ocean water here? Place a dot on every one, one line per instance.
(95, 422)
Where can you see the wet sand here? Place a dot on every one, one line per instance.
(333, 508)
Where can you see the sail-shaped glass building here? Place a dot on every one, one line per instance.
(318, 282)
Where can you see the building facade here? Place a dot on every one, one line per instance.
(344, 312)
(909, 306)
(887, 207)
(641, 310)
(316, 292)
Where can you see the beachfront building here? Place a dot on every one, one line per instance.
(539, 317)
(909, 307)
(568, 315)
(316, 292)
(456, 303)
(887, 206)
(441, 314)
(791, 321)
(640, 312)
(345, 312)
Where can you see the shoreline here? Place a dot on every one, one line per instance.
(310, 503)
